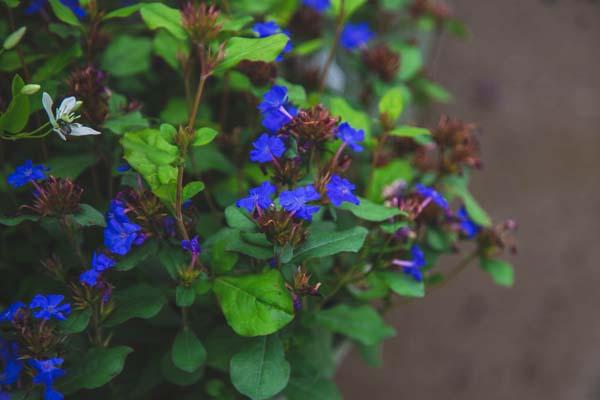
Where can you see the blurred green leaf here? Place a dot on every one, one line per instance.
(370, 211)
(64, 13)
(127, 55)
(501, 272)
(252, 49)
(392, 103)
(158, 15)
(188, 352)
(140, 301)
(324, 244)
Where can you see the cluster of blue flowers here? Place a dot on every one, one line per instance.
(25, 173)
(46, 371)
(120, 235)
(356, 36)
(270, 28)
(277, 111)
(317, 5)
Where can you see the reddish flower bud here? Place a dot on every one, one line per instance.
(382, 60)
(200, 21)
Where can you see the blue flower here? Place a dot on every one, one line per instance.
(116, 212)
(46, 307)
(270, 28)
(418, 262)
(356, 35)
(90, 277)
(47, 371)
(467, 225)
(26, 173)
(11, 362)
(192, 245)
(52, 394)
(352, 137)
(9, 313)
(123, 167)
(340, 190)
(120, 236)
(36, 6)
(318, 5)
(266, 148)
(433, 195)
(294, 201)
(276, 108)
(102, 262)
(258, 197)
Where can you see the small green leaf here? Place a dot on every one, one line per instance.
(192, 189)
(158, 15)
(402, 284)
(502, 272)
(412, 62)
(370, 211)
(349, 7)
(392, 103)
(252, 49)
(409, 131)
(96, 368)
(14, 221)
(89, 216)
(184, 297)
(255, 305)
(15, 118)
(323, 244)
(176, 375)
(14, 38)
(238, 219)
(122, 12)
(120, 124)
(476, 213)
(302, 388)
(359, 323)
(127, 55)
(77, 322)
(204, 136)
(260, 371)
(188, 352)
(70, 166)
(399, 169)
(64, 13)
(141, 301)
(222, 261)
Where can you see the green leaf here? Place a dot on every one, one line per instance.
(120, 124)
(402, 284)
(252, 49)
(238, 219)
(192, 189)
(64, 13)
(221, 260)
(357, 119)
(350, 6)
(204, 136)
(176, 375)
(229, 24)
(412, 62)
(370, 211)
(89, 216)
(184, 297)
(249, 243)
(323, 244)
(170, 49)
(15, 118)
(137, 256)
(409, 131)
(362, 324)
(188, 352)
(255, 305)
(302, 388)
(14, 221)
(392, 103)
(502, 272)
(260, 371)
(14, 38)
(308, 47)
(127, 55)
(122, 12)
(96, 368)
(432, 90)
(140, 301)
(477, 214)
(77, 322)
(150, 152)
(158, 15)
(70, 166)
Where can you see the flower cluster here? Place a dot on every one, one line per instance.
(35, 345)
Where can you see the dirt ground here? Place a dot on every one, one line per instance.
(530, 77)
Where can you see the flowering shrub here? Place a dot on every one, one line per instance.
(206, 202)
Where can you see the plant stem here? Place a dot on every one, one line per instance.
(197, 100)
(178, 204)
(339, 25)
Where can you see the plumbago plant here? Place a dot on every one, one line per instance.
(209, 200)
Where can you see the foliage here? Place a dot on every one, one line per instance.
(208, 202)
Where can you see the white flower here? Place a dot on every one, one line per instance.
(63, 123)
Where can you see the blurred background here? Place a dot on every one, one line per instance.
(529, 76)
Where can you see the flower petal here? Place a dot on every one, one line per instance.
(80, 130)
(47, 103)
(66, 107)
(57, 130)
